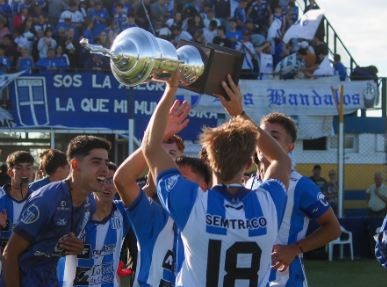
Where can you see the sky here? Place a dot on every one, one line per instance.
(361, 26)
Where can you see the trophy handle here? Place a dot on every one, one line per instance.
(97, 49)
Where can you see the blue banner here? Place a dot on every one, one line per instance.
(90, 101)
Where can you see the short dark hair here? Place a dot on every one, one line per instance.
(283, 120)
(337, 58)
(317, 166)
(197, 165)
(19, 156)
(81, 146)
(51, 160)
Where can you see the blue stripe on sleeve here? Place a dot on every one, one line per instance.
(177, 194)
(279, 196)
(312, 201)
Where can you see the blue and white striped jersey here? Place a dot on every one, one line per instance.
(381, 244)
(39, 183)
(47, 216)
(98, 263)
(305, 202)
(13, 209)
(157, 237)
(228, 239)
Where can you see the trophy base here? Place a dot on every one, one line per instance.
(218, 63)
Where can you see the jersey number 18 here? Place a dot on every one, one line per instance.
(233, 272)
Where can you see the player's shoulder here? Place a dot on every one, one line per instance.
(51, 191)
(39, 183)
(301, 182)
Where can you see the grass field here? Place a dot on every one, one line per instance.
(343, 273)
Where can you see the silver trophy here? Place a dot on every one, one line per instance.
(137, 56)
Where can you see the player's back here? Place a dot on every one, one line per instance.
(227, 239)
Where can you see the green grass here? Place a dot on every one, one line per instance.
(342, 273)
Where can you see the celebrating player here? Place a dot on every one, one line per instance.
(228, 232)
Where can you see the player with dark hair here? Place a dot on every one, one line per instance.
(14, 195)
(54, 217)
(103, 238)
(228, 232)
(305, 202)
(53, 164)
(195, 168)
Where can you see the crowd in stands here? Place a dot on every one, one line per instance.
(45, 34)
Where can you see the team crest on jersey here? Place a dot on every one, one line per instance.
(61, 222)
(171, 182)
(30, 214)
(115, 222)
(321, 198)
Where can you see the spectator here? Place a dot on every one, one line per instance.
(73, 12)
(240, 13)
(20, 40)
(233, 33)
(42, 24)
(53, 165)
(97, 63)
(25, 61)
(28, 31)
(179, 34)
(265, 60)
(377, 197)
(208, 15)
(259, 12)
(332, 193)
(45, 43)
(222, 9)
(4, 30)
(5, 9)
(71, 48)
(250, 62)
(120, 18)
(318, 179)
(55, 8)
(100, 17)
(10, 49)
(277, 24)
(140, 12)
(194, 23)
(221, 39)
(210, 32)
(340, 69)
(159, 9)
(19, 19)
(5, 62)
(51, 62)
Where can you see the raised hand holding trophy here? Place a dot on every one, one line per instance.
(136, 56)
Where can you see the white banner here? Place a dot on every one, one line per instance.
(310, 102)
(293, 97)
(305, 27)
